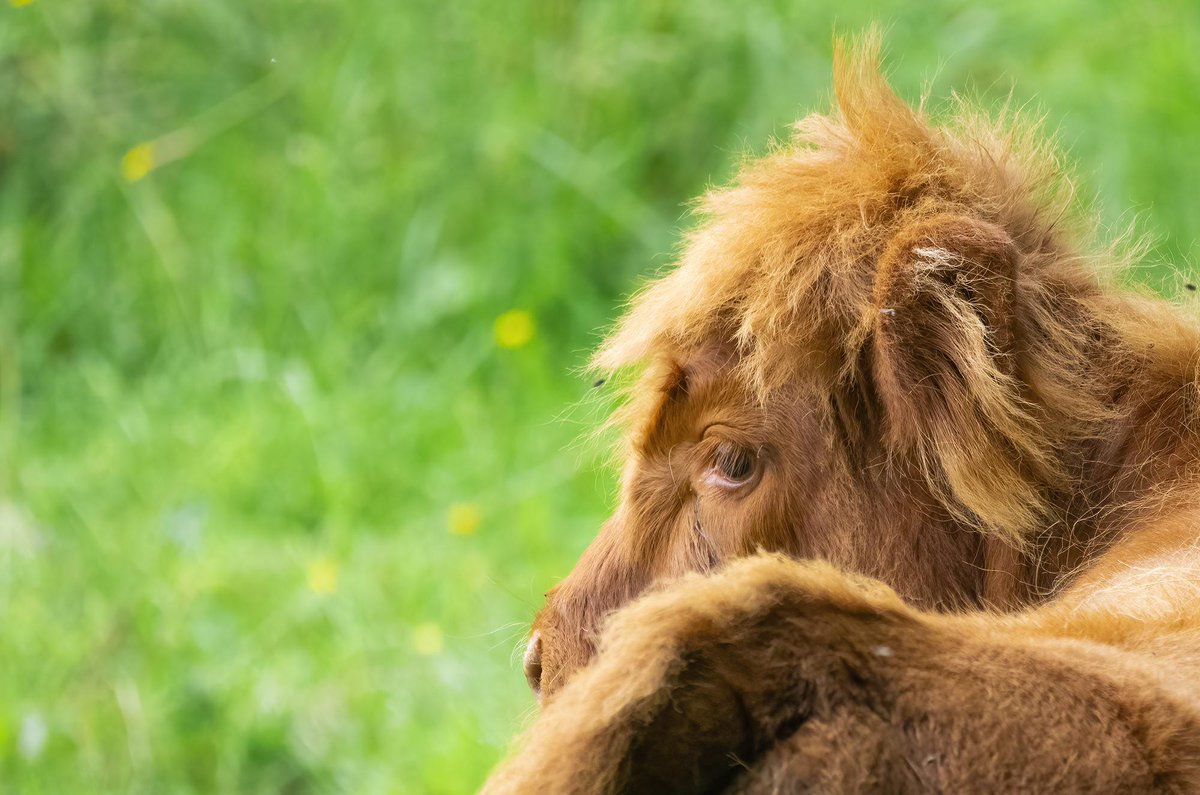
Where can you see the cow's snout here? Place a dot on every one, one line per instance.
(533, 663)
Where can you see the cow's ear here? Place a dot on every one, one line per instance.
(945, 370)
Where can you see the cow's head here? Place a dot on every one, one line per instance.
(873, 351)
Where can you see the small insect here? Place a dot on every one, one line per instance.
(1191, 287)
(599, 383)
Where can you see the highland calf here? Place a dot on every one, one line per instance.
(910, 500)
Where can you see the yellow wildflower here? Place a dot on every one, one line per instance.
(463, 519)
(138, 162)
(323, 576)
(514, 328)
(427, 639)
(19, 3)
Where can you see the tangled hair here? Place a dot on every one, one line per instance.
(909, 501)
(805, 265)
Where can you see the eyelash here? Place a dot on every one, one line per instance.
(734, 463)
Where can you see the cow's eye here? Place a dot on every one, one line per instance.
(733, 463)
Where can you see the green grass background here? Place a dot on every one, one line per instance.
(276, 350)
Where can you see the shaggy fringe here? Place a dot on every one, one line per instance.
(783, 266)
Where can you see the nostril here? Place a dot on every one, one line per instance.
(533, 663)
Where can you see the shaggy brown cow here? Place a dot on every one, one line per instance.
(969, 466)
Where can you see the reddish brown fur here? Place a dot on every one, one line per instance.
(886, 332)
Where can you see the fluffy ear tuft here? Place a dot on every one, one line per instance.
(944, 362)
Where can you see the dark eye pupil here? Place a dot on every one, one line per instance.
(734, 463)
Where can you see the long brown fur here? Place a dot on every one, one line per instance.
(885, 348)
